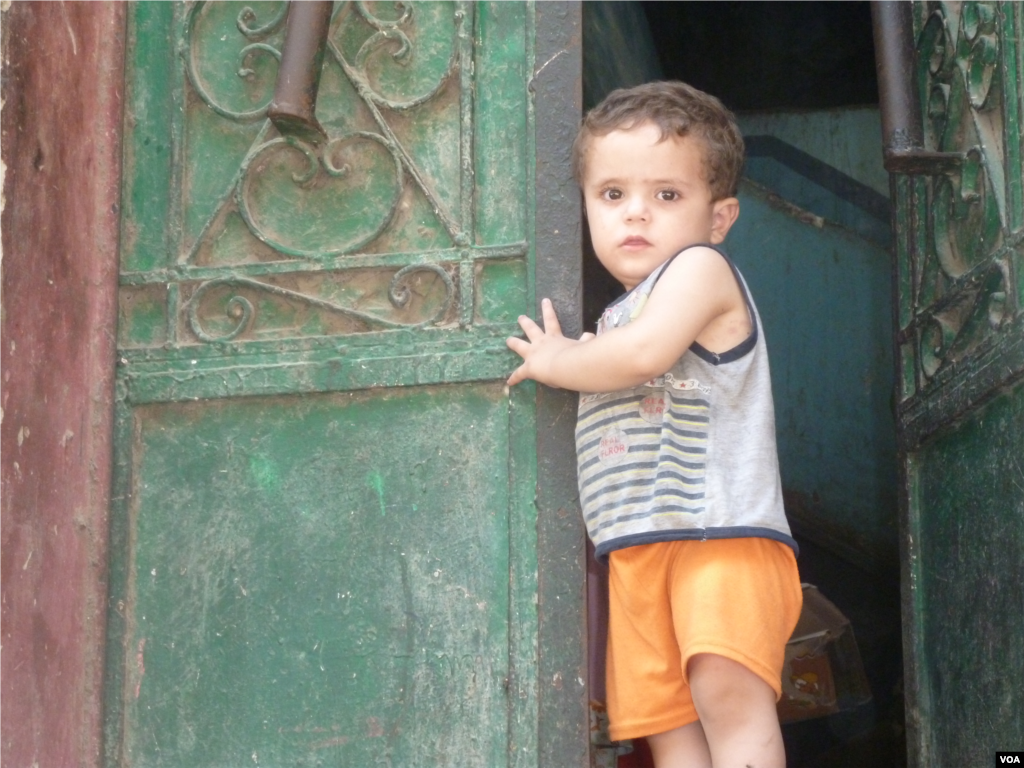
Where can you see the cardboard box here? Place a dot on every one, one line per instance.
(823, 673)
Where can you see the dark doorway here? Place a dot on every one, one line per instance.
(793, 72)
(769, 55)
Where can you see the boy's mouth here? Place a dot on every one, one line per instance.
(635, 242)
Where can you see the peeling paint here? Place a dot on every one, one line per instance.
(336, 741)
(59, 253)
(71, 32)
(140, 665)
(3, 205)
(3, 199)
(4, 7)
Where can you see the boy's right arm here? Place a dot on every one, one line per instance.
(696, 289)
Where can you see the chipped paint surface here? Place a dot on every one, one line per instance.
(328, 504)
(54, 496)
(278, 581)
(968, 591)
(62, 72)
(4, 64)
(3, 205)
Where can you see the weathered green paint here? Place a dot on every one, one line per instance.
(392, 192)
(309, 597)
(148, 151)
(337, 537)
(968, 497)
(960, 283)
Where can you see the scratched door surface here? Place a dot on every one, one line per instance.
(961, 409)
(325, 539)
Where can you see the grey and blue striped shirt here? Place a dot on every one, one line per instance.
(688, 455)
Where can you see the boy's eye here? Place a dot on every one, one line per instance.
(668, 195)
(613, 194)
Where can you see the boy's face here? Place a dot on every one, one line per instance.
(647, 199)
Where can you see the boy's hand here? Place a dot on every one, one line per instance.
(541, 347)
(697, 296)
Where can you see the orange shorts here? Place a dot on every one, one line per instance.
(739, 598)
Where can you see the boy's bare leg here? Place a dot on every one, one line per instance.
(683, 747)
(737, 712)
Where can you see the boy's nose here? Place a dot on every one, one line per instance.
(636, 209)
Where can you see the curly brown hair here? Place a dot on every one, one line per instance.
(677, 109)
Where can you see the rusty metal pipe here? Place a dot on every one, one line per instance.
(293, 110)
(894, 60)
(902, 131)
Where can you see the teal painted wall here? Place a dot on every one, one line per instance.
(823, 291)
(848, 139)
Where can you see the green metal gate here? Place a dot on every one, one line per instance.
(326, 525)
(960, 259)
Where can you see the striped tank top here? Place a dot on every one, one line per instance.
(687, 455)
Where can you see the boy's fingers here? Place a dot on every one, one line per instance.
(551, 324)
(516, 377)
(517, 345)
(588, 336)
(530, 328)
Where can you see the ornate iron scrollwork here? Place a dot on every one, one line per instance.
(354, 182)
(240, 315)
(960, 286)
(320, 174)
(248, 25)
(387, 34)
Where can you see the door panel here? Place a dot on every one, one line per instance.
(961, 401)
(968, 488)
(302, 595)
(326, 526)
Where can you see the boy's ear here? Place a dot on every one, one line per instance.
(723, 215)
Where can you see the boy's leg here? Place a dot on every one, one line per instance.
(645, 683)
(738, 597)
(734, 606)
(683, 747)
(739, 725)
(737, 712)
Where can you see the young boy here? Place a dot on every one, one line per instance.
(678, 469)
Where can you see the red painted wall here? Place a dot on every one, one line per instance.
(61, 124)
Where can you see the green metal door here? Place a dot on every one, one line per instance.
(327, 527)
(960, 254)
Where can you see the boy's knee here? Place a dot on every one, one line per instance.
(724, 690)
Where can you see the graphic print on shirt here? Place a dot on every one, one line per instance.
(621, 440)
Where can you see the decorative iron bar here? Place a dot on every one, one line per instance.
(241, 312)
(958, 253)
(191, 284)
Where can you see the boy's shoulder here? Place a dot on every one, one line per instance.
(705, 270)
(695, 297)
(701, 266)
(702, 270)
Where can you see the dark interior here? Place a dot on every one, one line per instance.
(769, 55)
